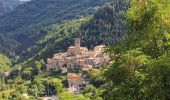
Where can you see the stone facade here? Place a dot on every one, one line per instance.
(76, 84)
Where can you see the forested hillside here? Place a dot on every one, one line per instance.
(57, 40)
(8, 5)
(7, 44)
(107, 24)
(25, 24)
(5, 63)
(137, 35)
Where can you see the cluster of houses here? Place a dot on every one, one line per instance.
(79, 58)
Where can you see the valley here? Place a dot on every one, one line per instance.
(84, 50)
(29, 20)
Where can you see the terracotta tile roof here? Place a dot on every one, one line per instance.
(73, 77)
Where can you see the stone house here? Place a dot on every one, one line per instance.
(76, 84)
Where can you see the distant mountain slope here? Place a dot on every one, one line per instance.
(38, 13)
(8, 5)
(24, 23)
(107, 24)
(7, 44)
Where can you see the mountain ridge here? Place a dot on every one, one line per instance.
(8, 5)
(24, 23)
(94, 30)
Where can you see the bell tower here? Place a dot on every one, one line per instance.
(77, 46)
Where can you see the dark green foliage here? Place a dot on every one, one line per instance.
(57, 40)
(107, 24)
(95, 77)
(5, 63)
(26, 23)
(27, 73)
(139, 67)
(33, 90)
(104, 27)
(7, 44)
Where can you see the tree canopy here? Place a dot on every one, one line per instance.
(139, 66)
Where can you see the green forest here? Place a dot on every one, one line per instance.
(27, 23)
(104, 27)
(137, 38)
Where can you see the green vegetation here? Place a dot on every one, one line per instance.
(140, 66)
(5, 67)
(7, 44)
(102, 28)
(5, 63)
(70, 96)
(30, 80)
(106, 25)
(27, 23)
(55, 41)
(138, 40)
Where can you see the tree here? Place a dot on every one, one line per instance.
(22, 88)
(41, 88)
(18, 80)
(92, 93)
(58, 86)
(149, 22)
(38, 67)
(139, 63)
(53, 87)
(26, 74)
(15, 95)
(33, 90)
(95, 77)
(160, 78)
(128, 75)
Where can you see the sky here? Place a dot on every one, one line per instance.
(24, 0)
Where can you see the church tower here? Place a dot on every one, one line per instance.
(77, 46)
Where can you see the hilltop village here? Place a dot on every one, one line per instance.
(80, 59)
